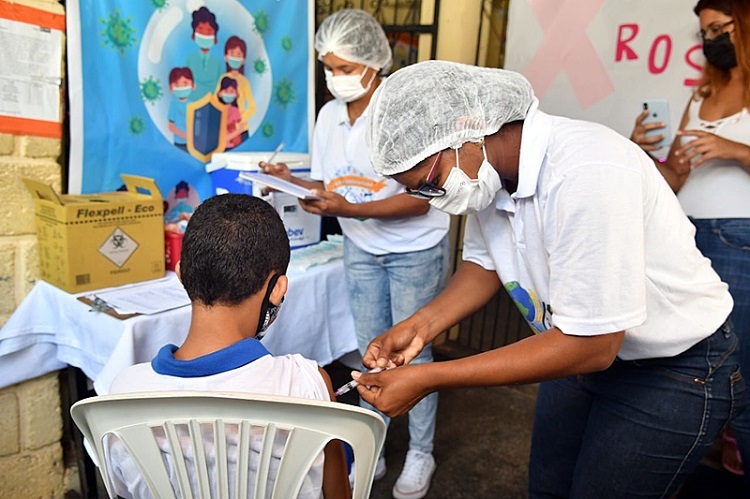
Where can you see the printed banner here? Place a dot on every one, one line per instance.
(601, 59)
(157, 87)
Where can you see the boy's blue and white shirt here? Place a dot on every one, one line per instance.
(246, 367)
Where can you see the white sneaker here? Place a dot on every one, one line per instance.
(380, 471)
(416, 475)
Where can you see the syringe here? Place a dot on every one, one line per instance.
(353, 383)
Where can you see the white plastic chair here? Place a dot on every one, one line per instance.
(133, 417)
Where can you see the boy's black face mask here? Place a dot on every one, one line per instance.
(268, 311)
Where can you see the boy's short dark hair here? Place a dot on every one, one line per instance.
(233, 242)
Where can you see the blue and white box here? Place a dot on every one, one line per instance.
(303, 228)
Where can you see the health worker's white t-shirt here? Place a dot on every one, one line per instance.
(340, 160)
(593, 241)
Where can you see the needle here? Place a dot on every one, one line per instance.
(353, 383)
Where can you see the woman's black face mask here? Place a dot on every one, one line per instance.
(720, 52)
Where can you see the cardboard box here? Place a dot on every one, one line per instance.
(93, 241)
(303, 228)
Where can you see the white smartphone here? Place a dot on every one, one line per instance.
(658, 110)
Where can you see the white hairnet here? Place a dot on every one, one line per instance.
(356, 36)
(433, 105)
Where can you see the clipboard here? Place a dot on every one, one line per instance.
(143, 298)
(279, 184)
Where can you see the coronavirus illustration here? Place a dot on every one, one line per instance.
(261, 22)
(136, 126)
(260, 66)
(286, 43)
(118, 32)
(151, 90)
(266, 130)
(283, 93)
(159, 4)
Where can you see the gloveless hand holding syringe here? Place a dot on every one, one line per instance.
(353, 383)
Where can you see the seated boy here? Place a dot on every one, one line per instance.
(235, 253)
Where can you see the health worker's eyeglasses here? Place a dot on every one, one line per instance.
(428, 189)
(713, 31)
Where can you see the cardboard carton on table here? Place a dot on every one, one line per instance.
(93, 241)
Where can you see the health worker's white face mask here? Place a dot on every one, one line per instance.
(464, 195)
(347, 88)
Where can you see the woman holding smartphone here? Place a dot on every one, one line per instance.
(708, 166)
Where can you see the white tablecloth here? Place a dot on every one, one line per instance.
(52, 329)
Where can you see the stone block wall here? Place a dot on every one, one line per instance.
(31, 461)
(31, 456)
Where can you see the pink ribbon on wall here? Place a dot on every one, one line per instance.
(567, 48)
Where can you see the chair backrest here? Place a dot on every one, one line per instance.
(183, 433)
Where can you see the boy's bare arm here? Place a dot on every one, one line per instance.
(335, 478)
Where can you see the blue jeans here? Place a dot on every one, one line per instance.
(637, 429)
(726, 242)
(386, 289)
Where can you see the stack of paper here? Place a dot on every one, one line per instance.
(317, 254)
(149, 297)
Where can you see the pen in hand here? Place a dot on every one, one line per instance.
(353, 383)
(275, 153)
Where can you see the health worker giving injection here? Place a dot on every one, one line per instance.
(637, 363)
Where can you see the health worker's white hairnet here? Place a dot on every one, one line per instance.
(356, 36)
(430, 106)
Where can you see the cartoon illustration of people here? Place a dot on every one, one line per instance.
(235, 53)
(206, 68)
(181, 84)
(235, 125)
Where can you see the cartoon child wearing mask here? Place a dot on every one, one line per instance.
(235, 126)
(182, 85)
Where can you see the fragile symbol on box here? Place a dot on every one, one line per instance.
(118, 247)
